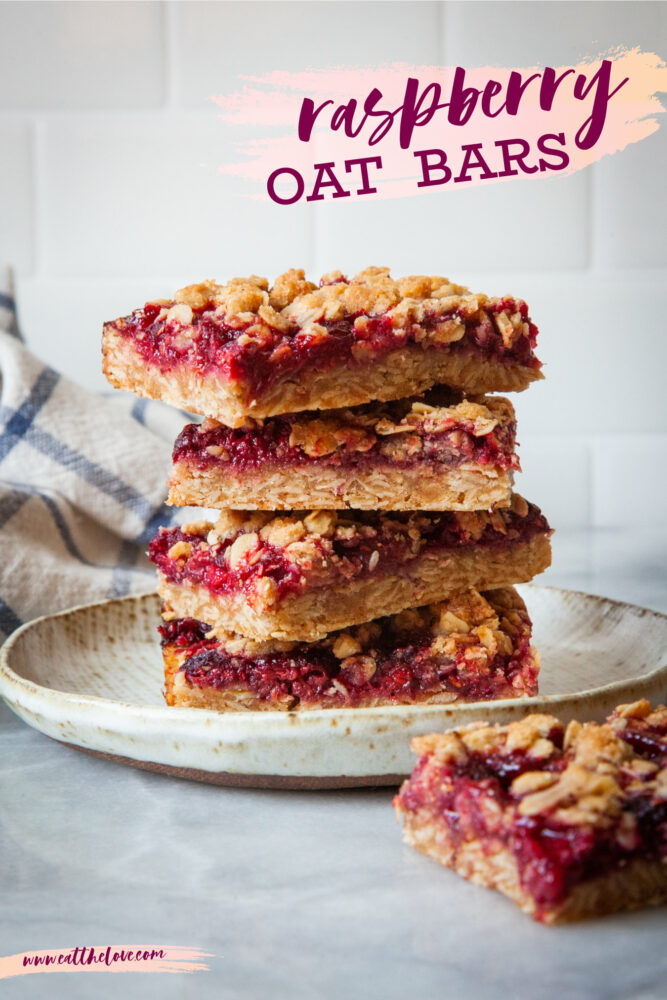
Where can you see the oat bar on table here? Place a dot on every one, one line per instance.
(567, 822)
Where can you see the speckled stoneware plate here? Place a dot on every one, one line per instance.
(92, 677)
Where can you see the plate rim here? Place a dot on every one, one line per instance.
(287, 750)
(11, 682)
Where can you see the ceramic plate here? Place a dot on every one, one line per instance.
(92, 677)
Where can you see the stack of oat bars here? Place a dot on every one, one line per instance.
(367, 538)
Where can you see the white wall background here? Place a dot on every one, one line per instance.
(105, 120)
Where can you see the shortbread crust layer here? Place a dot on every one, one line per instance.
(460, 489)
(473, 647)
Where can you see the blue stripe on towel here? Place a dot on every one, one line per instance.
(9, 620)
(63, 529)
(7, 302)
(20, 422)
(161, 517)
(121, 580)
(25, 490)
(11, 504)
(129, 549)
(138, 411)
(93, 473)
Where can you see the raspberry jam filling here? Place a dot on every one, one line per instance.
(551, 857)
(268, 446)
(209, 568)
(212, 344)
(373, 544)
(649, 742)
(404, 669)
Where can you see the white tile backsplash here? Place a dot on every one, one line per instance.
(618, 555)
(553, 33)
(630, 205)
(62, 319)
(17, 215)
(109, 195)
(629, 481)
(67, 55)
(556, 477)
(603, 341)
(126, 196)
(215, 42)
(501, 227)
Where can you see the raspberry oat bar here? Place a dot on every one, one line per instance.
(567, 822)
(245, 349)
(473, 647)
(438, 453)
(300, 576)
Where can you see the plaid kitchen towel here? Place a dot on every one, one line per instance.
(82, 484)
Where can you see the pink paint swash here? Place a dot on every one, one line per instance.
(522, 126)
(106, 958)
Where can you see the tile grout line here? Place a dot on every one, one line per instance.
(442, 32)
(39, 193)
(441, 20)
(169, 53)
(592, 214)
(590, 521)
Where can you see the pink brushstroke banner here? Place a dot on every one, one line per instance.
(106, 958)
(435, 127)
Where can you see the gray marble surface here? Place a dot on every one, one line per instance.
(297, 895)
